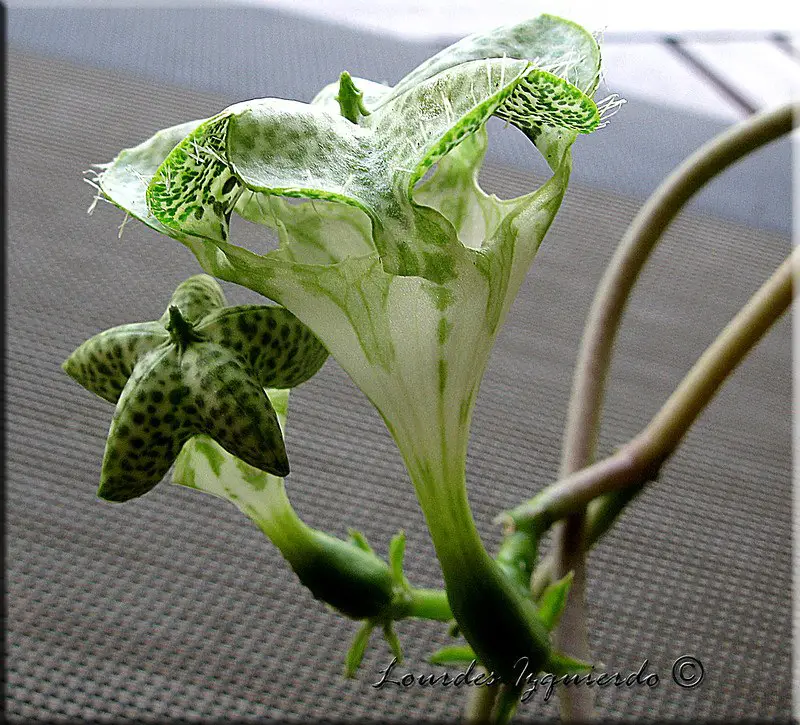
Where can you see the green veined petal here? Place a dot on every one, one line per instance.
(424, 123)
(549, 42)
(296, 149)
(124, 181)
(553, 600)
(355, 654)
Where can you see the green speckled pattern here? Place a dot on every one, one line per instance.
(104, 362)
(210, 382)
(198, 190)
(172, 396)
(151, 423)
(195, 298)
(287, 148)
(280, 351)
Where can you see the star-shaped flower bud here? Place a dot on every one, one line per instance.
(202, 368)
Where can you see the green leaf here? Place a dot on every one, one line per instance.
(393, 641)
(397, 550)
(359, 540)
(517, 557)
(356, 652)
(453, 655)
(553, 600)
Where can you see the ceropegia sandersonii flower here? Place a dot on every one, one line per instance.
(405, 279)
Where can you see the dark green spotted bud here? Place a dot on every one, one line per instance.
(201, 369)
(195, 298)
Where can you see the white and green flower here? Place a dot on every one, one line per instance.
(405, 279)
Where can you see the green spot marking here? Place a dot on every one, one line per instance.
(251, 476)
(213, 456)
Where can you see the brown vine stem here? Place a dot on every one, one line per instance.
(639, 460)
(480, 704)
(601, 328)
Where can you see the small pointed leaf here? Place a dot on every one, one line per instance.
(561, 664)
(553, 600)
(393, 641)
(356, 652)
(397, 550)
(360, 540)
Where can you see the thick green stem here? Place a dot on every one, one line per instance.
(354, 581)
(498, 622)
(428, 604)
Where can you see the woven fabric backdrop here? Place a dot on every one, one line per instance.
(174, 606)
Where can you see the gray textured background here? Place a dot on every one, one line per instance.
(174, 605)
